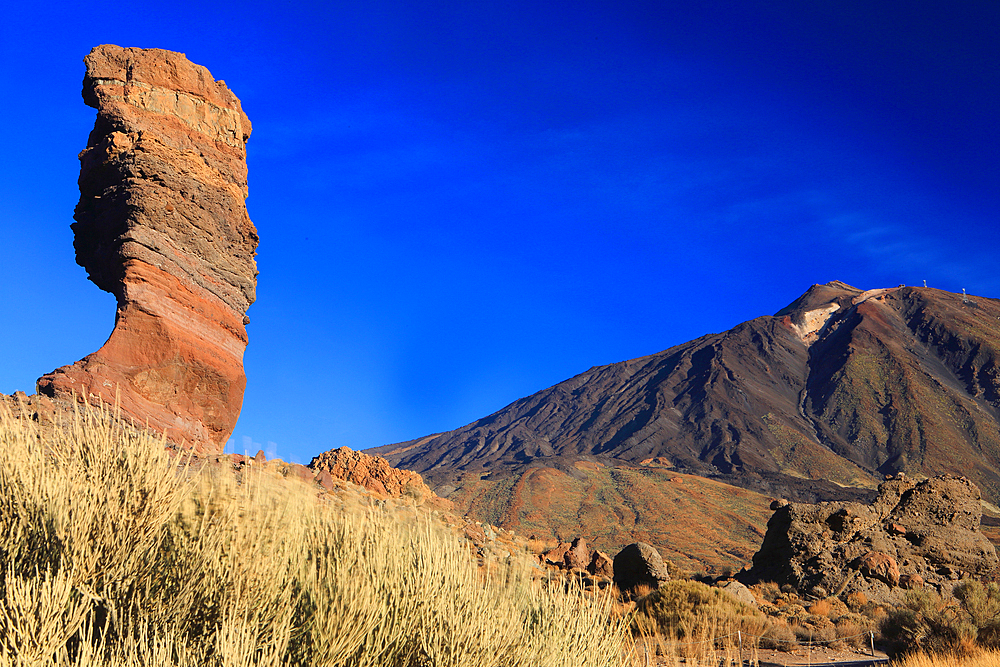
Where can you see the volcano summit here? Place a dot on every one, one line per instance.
(820, 401)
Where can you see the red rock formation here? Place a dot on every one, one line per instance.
(162, 225)
(372, 472)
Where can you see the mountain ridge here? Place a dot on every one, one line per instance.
(820, 401)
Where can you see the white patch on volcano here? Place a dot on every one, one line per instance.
(812, 322)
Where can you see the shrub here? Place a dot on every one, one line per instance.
(641, 591)
(852, 633)
(676, 571)
(679, 607)
(856, 601)
(816, 630)
(113, 553)
(925, 622)
(982, 604)
(820, 608)
(767, 591)
(779, 637)
(931, 624)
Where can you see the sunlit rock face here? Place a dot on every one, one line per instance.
(912, 535)
(162, 224)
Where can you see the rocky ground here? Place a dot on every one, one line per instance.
(914, 535)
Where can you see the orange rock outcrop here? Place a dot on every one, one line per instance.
(372, 472)
(162, 224)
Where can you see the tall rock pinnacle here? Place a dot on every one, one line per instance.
(162, 224)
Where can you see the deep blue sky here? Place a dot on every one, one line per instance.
(460, 204)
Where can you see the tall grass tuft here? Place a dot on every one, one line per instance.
(115, 552)
(984, 658)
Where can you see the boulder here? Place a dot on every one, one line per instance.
(882, 566)
(912, 534)
(162, 224)
(325, 480)
(577, 556)
(601, 565)
(556, 555)
(639, 563)
(738, 591)
(299, 471)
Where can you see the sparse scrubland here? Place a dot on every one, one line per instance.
(691, 623)
(961, 625)
(115, 551)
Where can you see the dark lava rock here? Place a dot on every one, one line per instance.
(639, 563)
(914, 534)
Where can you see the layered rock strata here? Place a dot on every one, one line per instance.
(914, 535)
(162, 224)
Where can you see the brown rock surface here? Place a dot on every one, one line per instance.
(577, 556)
(162, 225)
(372, 472)
(878, 565)
(844, 547)
(556, 555)
(638, 564)
(601, 565)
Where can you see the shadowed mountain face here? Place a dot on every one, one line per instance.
(835, 390)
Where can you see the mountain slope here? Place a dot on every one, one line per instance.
(614, 506)
(821, 400)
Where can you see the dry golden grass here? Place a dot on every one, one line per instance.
(978, 659)
(707, 644)
(114, 553)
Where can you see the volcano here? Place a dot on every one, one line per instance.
(819, 401)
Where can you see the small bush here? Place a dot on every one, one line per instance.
(851, 633)
(779, 637)
(925, 622)
(982, 604)
(820, 608)
(679, 607)
(856, 601)
(675, 571)
(816, 630)
(641, 592)
(928, 623)
(766, 591)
